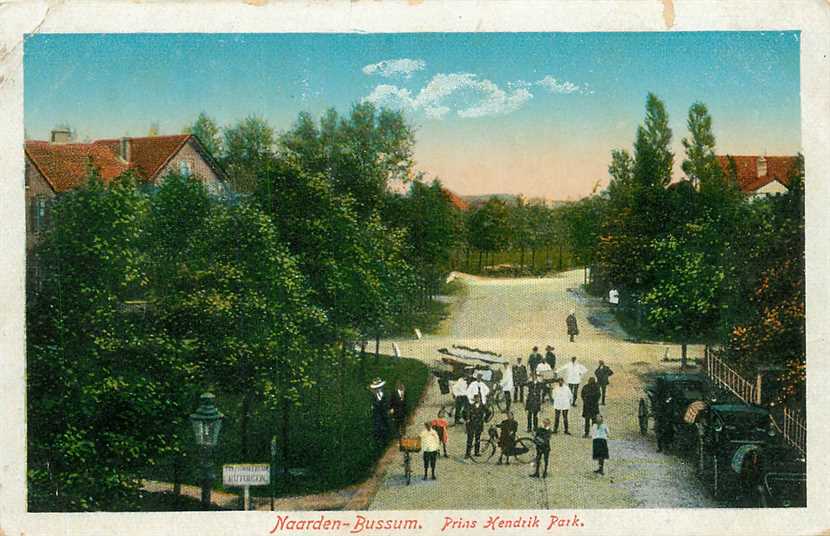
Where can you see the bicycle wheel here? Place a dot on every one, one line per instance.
(498, 401)
(490, 453)
(523, 450)
(487, 450)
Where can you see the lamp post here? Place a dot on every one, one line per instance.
(207, 421)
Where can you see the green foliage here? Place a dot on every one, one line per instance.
(489, 226)
(361, 153)
(248, 146)
(208, 132)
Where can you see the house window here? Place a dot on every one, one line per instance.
(185, 168)
(39, 213)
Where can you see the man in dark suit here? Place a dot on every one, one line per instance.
(573, 329)
(534, 402)
(534, 360)
(519, 380)
(380, 413)
(507, 437)
(475, 425)
(602, 374)
(550, 357)
(542, 441)
(398, 406)
(590, 403)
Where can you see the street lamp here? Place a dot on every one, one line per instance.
(207, 421)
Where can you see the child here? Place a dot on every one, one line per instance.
(599, 431)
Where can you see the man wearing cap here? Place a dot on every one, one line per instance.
(519, 380)
(380, 412)
(478, 387)
(550, 357)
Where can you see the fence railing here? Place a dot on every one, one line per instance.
(792, 425)
(724, 376)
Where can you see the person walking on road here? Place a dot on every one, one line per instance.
(440, 427)
(475, 425)
(542, 441)
(380, 413)
(534, 360)
(534, 403)
(550, 357)
(398, 406)
(602, 374)
(590, 403)
(459, 391)
(430, 443)
(572, 372)
(599, 451)
(519, 380)
(507, 385)
(561, 405)
(570, 322)
(507, 437)
(545, 375)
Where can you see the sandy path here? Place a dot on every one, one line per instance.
(510, 316)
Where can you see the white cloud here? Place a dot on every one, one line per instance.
(563, 86)
(399, 67)
(466, 93)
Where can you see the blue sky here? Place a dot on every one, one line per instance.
(532, 113)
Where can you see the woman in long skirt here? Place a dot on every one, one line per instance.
(599, 432)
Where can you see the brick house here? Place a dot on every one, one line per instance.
(58, 165)
(761, 175)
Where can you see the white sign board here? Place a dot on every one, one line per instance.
(246, 474)
(614, 296)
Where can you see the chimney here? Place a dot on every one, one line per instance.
(762, 166)
(61, 135)
(124, 149)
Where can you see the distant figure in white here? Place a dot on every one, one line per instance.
(572, 373)
(507, 385)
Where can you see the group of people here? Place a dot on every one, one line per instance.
(532, 385)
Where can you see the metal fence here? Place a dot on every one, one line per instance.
(724, 376)
(793, 427)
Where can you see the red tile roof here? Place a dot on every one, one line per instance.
(778, 169)
(66, 166)
(149, 155)
(456, 200)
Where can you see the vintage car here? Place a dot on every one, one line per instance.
(668, 398)
(783, 481)
(737, 443)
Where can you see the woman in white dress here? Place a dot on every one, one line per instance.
(507, 385)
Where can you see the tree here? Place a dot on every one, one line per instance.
(248, 146)
(362, 153)
(208, 133)
(771, 330)
(105, 390)
(489, 228)
(520, 230)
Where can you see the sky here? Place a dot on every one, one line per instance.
(530, 113)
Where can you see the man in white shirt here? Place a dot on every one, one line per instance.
(572, 373)
(541, 370)
(430, 443)
(459, 392)
(478, 387)
(561, 404)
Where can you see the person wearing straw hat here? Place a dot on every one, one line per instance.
(380, 412)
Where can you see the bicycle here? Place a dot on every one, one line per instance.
(408, 445)
(521, 448)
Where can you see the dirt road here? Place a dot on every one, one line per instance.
(510, 316)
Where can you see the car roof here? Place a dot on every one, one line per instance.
(739, 408)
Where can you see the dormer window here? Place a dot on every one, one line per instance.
(762, 167)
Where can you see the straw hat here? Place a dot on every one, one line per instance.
(377, 383)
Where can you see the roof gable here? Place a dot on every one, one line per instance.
(779, 169)
(149, 155)
(66, 166)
